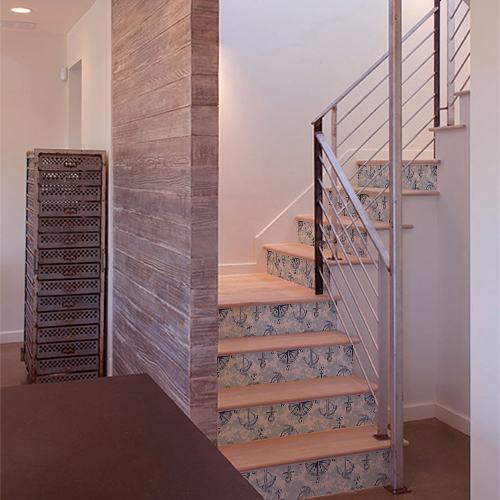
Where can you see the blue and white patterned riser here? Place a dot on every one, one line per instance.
(306, 237)
(276, 319)
(419, 177)
(283, 366)
(324, 477)
(377, 210)
(293, 269)
(274, 421)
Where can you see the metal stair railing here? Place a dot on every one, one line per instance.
(385, 113)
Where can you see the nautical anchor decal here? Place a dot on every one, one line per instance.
(288, 474)
(262, 360)
(240, 321)
(329, 410)
(346, 470)
(366, 462)
(300, 409)
(318, 468)
(348, 404)
(246, 364)
(301, 315)
(279, 311)
(256, 314)
(329, 356)
(313, 358)
(288, 357)
(268, 482)
(271, 413)
(316, 310)
(251, 419)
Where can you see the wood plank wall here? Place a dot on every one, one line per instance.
(165, 145)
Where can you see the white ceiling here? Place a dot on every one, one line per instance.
(51, 16)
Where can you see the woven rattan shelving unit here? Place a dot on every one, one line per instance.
(65, 312)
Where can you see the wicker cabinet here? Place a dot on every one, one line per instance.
(64, 329)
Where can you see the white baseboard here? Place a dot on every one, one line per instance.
(453, 419)
(11, 337)
(435, 410)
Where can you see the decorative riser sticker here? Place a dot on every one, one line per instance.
(418, 177)
(377, 209)
(306, 237)
(283, 366)
(277, 319)
(293, 269)
(267, 422)
(324, 477)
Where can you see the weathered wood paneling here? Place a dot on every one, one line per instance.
(165, 145)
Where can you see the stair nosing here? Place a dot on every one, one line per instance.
(285, 337)
(283, 392)
(303, 447)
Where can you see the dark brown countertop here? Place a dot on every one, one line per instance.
(106, 439)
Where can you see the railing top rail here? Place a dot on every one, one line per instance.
(372, 68)
(349, 190)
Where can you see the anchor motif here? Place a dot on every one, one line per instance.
(313, 358)
(278, 377)
(271, 413)
(288, 474)
(301, 315)
(346, 470)
(348, 404)
(382, 480)
(329, 355)
(289, 430)
(329, 410)
(268, 482)
(262, 360)
(366, 462)
(246, 364)
(251, 419)
(242, 318)
(305, 493)
(316, 310)
(256, 314)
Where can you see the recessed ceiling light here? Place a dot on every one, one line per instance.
(21, 10)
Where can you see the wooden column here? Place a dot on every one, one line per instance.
(165, 144)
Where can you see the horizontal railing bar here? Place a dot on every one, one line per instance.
(418, 111)
(362, 123)
(461, 89)
(373, 67)
(460, 46)
(419, 89)
(459, 25)
(334, 184)
(374, 236)
(346, 331)
(454, 13)
(344, 251)
(348, 309)
(460, 69)
(362, 100)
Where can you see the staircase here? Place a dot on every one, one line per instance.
(304, 363)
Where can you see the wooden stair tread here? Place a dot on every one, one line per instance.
(406, 192)
(303, 448)
(447, 128)
(289, 392)
(283, 342)
(263, 289)
(346, 221)
(306, 252)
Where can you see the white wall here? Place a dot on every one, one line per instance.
(281, 64)
(485, 249)
(33, 115)
(89, 41)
